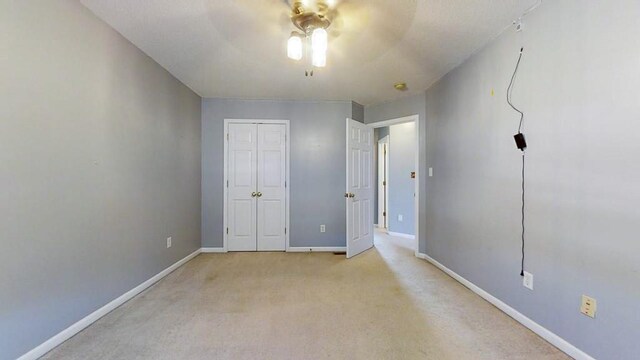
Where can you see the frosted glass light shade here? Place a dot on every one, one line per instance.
(319, 58)
(319, 40)
(294, 47)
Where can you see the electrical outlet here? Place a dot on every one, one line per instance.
(527, 280)
(169, 242)
(322, 228)
(400, 217)
(588, 306)
(430, 172)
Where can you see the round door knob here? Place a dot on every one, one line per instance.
(346, 195)
(253, 194)
(352, 195)
(259, 194)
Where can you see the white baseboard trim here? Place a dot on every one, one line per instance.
(408, 236)
(543, 332)
(208, 250)
(67, 333)
(318, 249)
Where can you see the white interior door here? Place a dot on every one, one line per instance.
(271, 187)
(383, 176)
(359, 195)
(242, 168)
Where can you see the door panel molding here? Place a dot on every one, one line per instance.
(270, 141)
(359, 193)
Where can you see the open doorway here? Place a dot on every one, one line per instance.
(396, 178)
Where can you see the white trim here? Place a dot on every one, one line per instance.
(317, 249)
(402, 235)
(419, 156)
(543, 332)
(383, 207)
(396, 121)
(224, 182)
(72, 330)
(209, 250)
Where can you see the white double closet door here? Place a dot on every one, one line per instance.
(256, 200)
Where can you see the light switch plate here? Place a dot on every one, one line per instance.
(589, 306)
(322, 228)
(169, 242)
(430, 172)
(400, 217)
(527, 280)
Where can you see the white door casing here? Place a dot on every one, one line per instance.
(359, 194)
(242, 166)
(256, 195)
(271, 187)
(419, 159)
(383, 182)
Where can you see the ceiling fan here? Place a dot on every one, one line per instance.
(312, 19)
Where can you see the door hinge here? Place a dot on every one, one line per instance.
(384, 213)
(227, 183)
(227, 231)
(227, 136)
(384, 183)
(285, 184)
(285, 231)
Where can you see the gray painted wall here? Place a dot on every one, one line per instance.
(402, 161)
(578, 85)
(100, 154)
(357, 112)
(318, 166)
(412, 105)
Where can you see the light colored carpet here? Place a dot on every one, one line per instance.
(383, 304)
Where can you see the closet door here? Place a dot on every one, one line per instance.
(271, 187)
(242, 196)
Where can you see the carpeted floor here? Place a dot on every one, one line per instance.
(383, 304)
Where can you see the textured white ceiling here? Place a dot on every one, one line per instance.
(237, 48)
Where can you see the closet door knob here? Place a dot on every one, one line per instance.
(259, 194)
(253, 194)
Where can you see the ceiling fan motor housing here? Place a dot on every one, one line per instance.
(309, 18)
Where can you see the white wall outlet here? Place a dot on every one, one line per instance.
(430, 172)
(527, 280)
(169, 242)
(588, 306)
(323, 228)
(400, 217)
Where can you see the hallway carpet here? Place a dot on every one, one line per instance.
(383, 304)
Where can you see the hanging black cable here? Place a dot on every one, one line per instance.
(522, 262)
(522, 145)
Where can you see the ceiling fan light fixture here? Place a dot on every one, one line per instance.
(294, 46)
(319, 58)
(319, 40)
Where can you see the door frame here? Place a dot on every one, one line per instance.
(383, 207)
(415, 119)
(226, 176)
